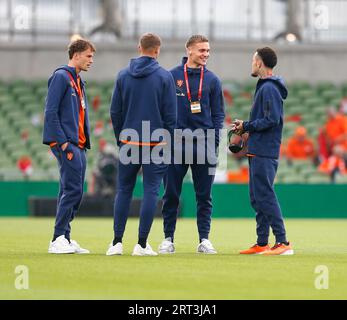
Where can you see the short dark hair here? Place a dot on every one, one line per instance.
(196, 38)
(268, 56)
(150, 41)
(80, 45)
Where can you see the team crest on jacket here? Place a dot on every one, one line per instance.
(179, 83)
(69, 156)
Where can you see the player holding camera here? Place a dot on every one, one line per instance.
(265, 133)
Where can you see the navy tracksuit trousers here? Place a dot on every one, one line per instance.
(72, 175)
(203, 181)
(262, 172)
(152, 178)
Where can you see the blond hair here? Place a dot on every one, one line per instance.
(197, 38)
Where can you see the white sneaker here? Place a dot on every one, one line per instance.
(148, 251)
(167, 246)
(78, 248)
(60, 245)
(206, 247)
(116, 249)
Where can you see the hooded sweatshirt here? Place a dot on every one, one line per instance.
(212, 102)
(143, 91)
(61, 122)
(266, 118)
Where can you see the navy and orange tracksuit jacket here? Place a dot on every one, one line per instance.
(62, 112)
(212, 102)
(266, 118)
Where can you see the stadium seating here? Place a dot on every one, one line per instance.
(22, 105)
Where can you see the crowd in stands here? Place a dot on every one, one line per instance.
(327, 152)
(313, 132)
(332, 144)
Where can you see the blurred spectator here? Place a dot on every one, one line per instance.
(293, 118)
(283, 149)
(99, 128)
(246, 95)
(36, 119)
(335, 164)
(343, 106)
(300, 146)
(240, 176)
(96, 103)
(109, 125)
(227, 119)
(323, 150)
(24, 164)
(105, 174)
(333, 133)
(228, 97)
(102, 144)
(24, 136)
(343, 145)
(335, 127)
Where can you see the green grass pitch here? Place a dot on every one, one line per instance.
(184, 275)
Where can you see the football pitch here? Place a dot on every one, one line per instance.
(318, 270)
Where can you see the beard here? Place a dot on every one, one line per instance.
(254, 75)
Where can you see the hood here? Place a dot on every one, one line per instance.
(72, 70)
(184, 60)
(143, 66)
(279, 82)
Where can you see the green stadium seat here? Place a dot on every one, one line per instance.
(249, 86)
(335, 102)
(309, 117)
(7, 107)
(314, 179)
(30, 95)
(284, 171)
(41, 91)
(332, 96)
(19, 100)
(320, 110)
(6, 99)
(241, 102)
(18, 83)
(32, 108)
(344, 89)
(305, 93)
(292, 100)
(233, 87)
(21, 91)
(11, 174)
(295, 109)
(324, 85)
(293, 178)
(341, 179)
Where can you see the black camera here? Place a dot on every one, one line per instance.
(234, 147)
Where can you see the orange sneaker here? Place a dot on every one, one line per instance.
(255, 250)
(280, 249)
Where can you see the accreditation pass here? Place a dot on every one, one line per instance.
(195, 107)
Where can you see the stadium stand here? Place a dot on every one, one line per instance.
(22, 105)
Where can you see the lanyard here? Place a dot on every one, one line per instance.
(187, 83)
(79, 92)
